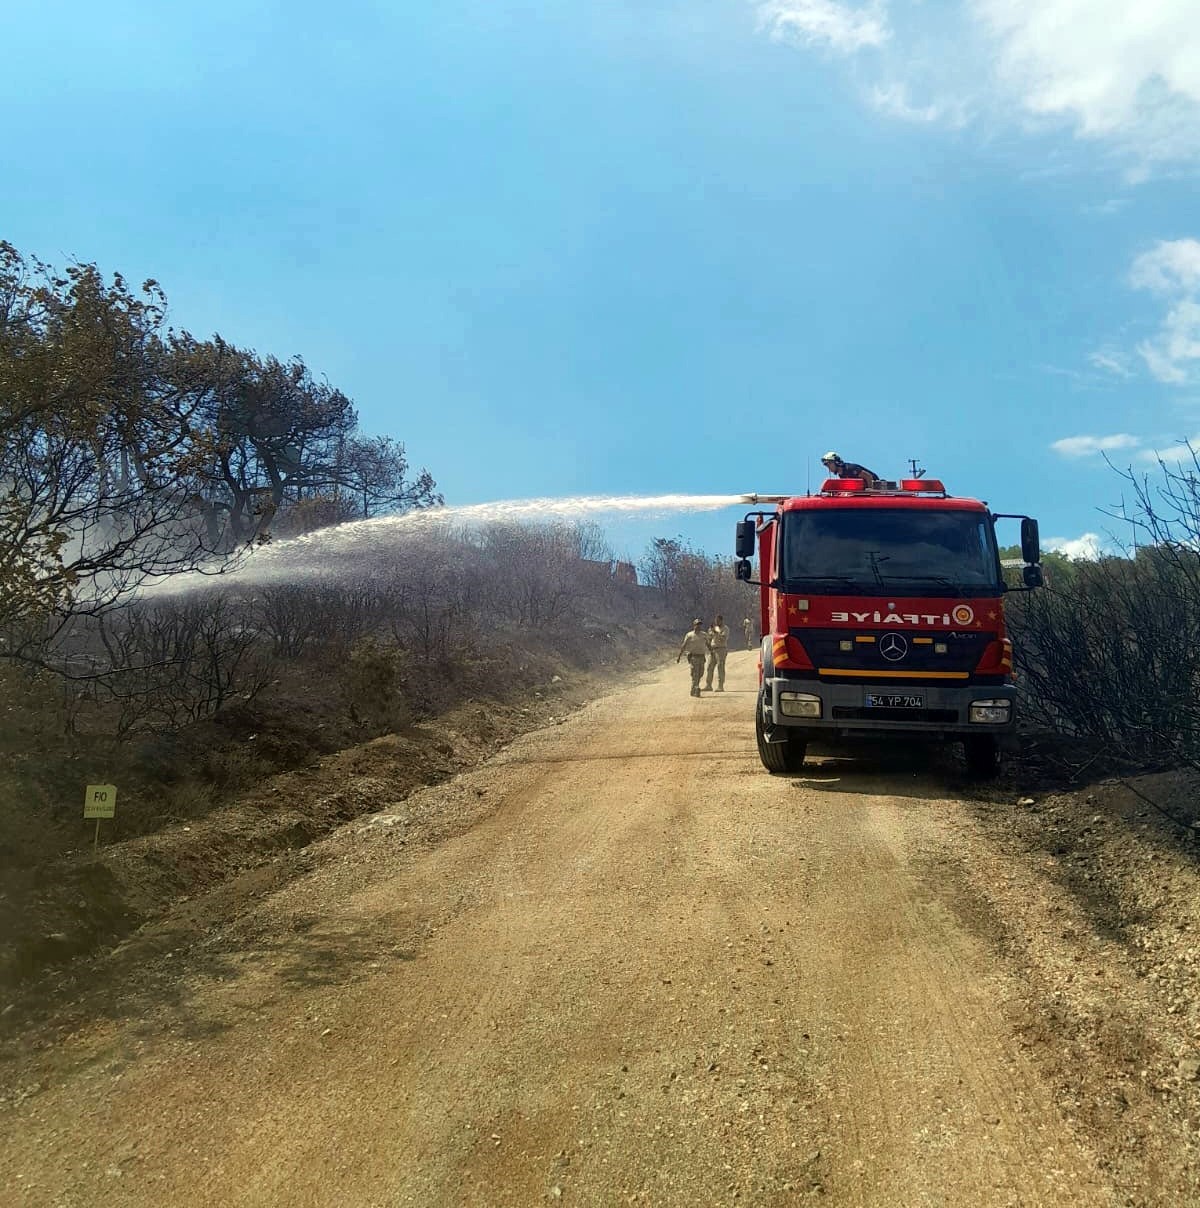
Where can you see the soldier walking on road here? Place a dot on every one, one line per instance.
(746, 627)
(695, 646)
(718, 648)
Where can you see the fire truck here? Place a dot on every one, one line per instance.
(882, 610)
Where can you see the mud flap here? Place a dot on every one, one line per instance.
(770, 733)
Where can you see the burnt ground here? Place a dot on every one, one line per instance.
(201, 862)
(1121, 858)
(1078, 904)
(614, 961)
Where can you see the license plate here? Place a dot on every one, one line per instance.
(892, 700)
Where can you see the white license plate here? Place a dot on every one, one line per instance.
(893, 700)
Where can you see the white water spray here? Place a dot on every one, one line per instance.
(333, 551)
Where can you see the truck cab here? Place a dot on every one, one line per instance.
(882, 610)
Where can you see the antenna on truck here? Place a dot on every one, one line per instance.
(918, 471)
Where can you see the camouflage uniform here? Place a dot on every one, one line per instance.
(718, 648)
(695, 646)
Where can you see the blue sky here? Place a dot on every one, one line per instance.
(586, 247)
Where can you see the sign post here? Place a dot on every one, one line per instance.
(99, 801)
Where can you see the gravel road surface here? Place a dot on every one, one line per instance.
(617, 963)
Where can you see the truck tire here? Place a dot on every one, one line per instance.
(778, 757)
(982, 753)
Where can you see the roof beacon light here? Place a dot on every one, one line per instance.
(843, 484)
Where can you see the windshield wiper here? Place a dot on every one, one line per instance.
(941, 580)
(827, 579)
(925, 578)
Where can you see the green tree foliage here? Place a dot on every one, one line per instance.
(1058, 568)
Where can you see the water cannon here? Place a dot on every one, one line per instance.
(753, 498)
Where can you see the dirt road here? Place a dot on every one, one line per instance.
(619, 963)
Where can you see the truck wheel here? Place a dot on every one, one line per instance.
(778, 756)
(982, 753)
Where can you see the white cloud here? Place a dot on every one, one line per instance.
(1171, 269)
(1106, 209)
(1072, 375)
(1088, 546)
(1109, 360)
(1088, 446)
(1111, 65)
(1171, 266)
(1126, 72)
(1179, 451)
(1177, 343)
(895, 101)
(825, 22)
(1146, 450)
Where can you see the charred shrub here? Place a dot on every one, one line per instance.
(1108, 651)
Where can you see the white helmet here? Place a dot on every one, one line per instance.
(831, 456)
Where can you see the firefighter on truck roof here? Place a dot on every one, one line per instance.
(848, 469)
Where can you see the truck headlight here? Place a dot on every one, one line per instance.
(799, 704)
(991, 712)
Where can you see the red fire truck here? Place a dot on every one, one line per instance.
(882, 609)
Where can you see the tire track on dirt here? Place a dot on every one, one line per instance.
(891, 952)
(638, 969)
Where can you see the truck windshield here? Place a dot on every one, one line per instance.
(891, 549)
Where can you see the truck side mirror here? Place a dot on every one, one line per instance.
(744, 545)
(1031, 545)
(1032, 575)
(742, 570)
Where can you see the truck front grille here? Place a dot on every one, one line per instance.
(964, 649)
(930, 716)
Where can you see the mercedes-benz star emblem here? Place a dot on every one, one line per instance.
(893, 647)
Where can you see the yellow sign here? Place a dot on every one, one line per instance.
(100, 801)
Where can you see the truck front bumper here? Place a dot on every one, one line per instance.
(855, 710)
